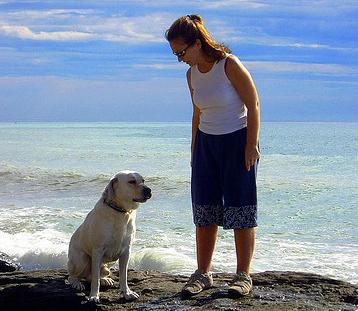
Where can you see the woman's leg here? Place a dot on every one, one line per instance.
(205, 244)
(245, 245)
(202, 278)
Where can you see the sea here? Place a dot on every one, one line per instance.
(52, 174)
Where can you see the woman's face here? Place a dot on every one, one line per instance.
(188, 53)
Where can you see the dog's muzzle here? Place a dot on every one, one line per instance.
(147, 192)
(146, 195)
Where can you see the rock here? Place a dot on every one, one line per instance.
(48, 290)
(7, 264)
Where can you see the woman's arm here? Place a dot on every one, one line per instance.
(245, 87)
(196, 114)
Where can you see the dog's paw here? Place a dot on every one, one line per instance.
(129, 295)
(76, 284)
(107, 282)
(94, 299)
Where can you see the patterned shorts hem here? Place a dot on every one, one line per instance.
(228, 217)
(241, 217)
(240, 227)
(207, 214)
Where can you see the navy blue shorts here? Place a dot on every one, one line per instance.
(223, 192)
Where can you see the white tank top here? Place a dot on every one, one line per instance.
(221, 109)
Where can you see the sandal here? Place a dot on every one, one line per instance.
(241, 285)
(197, 283)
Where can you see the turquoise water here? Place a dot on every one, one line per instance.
(52, 174)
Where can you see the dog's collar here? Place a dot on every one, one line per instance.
(117, 208)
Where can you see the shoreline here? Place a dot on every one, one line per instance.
(283, 290)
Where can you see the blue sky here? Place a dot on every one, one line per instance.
(109, 61)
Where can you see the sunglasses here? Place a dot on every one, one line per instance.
(183, 51)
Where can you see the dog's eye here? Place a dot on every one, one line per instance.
(132, 182)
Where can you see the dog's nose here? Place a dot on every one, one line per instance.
(147, 192)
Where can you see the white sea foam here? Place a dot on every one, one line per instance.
(162, 259)
(314, 257)
(39, 250)
(48, 249)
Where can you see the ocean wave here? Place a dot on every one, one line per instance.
(29, 179)
(329, 259)
(34, 172)
(45, 249)
(166, 260)
(43, 260)
(168, 184)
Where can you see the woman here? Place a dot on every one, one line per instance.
(225, 152)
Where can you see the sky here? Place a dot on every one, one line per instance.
(109, 60)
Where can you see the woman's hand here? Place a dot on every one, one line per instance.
(252, 154)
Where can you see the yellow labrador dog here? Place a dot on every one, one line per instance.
(106, 235)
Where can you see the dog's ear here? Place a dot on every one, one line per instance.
(108, 193)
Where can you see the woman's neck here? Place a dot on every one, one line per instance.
(205, 65)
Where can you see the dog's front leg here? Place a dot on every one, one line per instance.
(97, 256)
(123, 285)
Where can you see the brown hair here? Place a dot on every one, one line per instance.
(190, 28)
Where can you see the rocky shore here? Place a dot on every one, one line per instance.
(48, 290)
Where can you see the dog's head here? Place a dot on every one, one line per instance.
(127, 187)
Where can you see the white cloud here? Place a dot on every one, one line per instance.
(300, 67)
(91, 24)
(231, 3)
(321, 7)
(230, 35)
(37, 15)
(326, 7)
(301, 45)
(26, 33)
(265, 66)
(62, 25)
(158, 66)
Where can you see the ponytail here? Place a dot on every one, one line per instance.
(190, 28)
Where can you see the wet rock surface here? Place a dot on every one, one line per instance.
(7, 264)
(49, 290)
